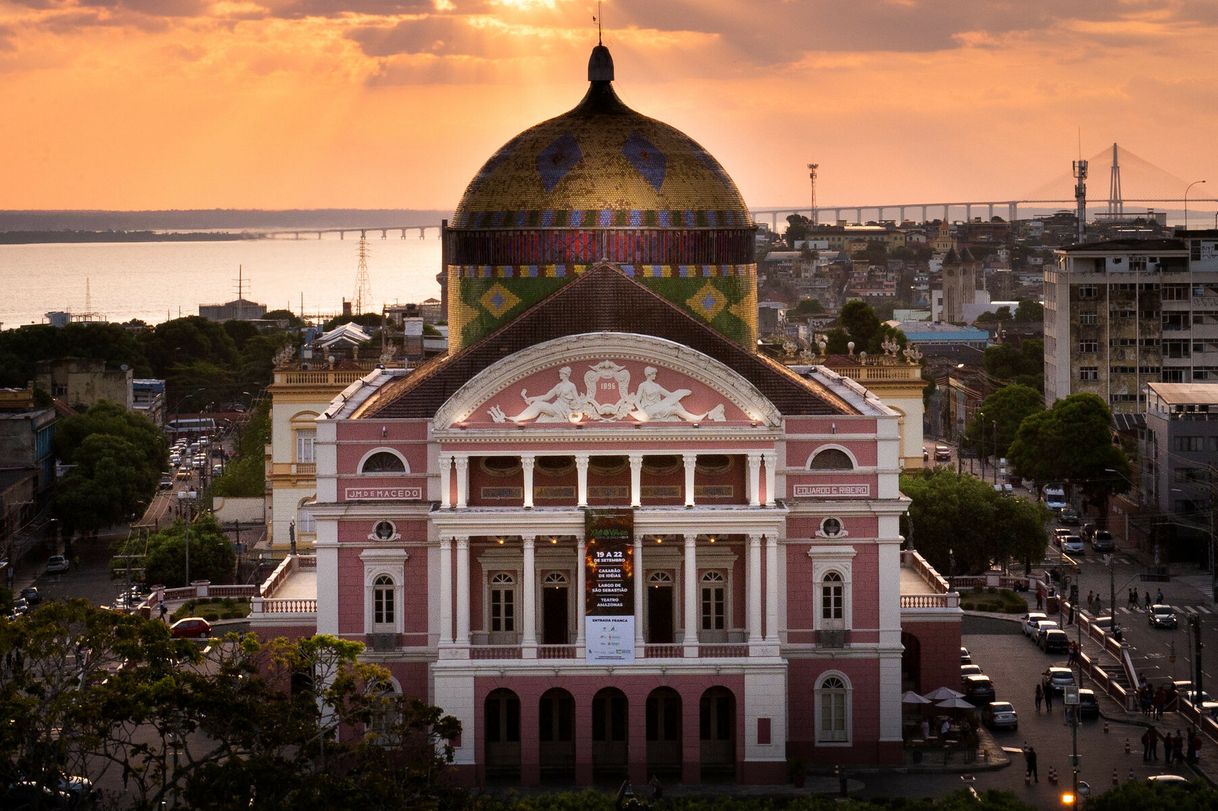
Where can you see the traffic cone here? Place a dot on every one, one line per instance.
(1131, 774)
(1052, 776)
(1115, 779)
(1105, 727)
(1127, 749)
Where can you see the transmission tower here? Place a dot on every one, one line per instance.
(812, 167)
(1116, 204)
(363, 285)
(1080, 195)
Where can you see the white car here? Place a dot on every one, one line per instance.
(57, 564)
(1073, 545)
(1031, 620)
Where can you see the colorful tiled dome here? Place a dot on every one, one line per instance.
(601, 182)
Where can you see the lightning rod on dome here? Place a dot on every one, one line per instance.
(597, 19)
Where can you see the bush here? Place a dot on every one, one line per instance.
(214, 609)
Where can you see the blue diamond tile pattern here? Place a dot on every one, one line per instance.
(557, 159)
(646, 159)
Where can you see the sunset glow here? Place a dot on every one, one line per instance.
(395, 103)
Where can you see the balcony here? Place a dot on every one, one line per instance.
(290, 593)
(923, 588)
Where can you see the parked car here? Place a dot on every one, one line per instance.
(30, 595)
(1000, 715)
(1102, 541)
(943, 453)
(969, 670)
(1069, 518)
(1060, 534)
(1044, 627)
(1030, 621)
(1055, 641)
(57, 564)
(191, 628)
(1170, 780)
(1073, 545)
(166, 482)
(966, 658)
(1056, 678)
(978, 690)
(1088, 704)
(1162, 616)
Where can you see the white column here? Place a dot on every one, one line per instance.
(529, 601)
(581, 572)
(636, 480)
(446, 474)
(463, 592)
(690, 581)
(754, 479)
(581, 474)
(446, 590)
(754, 589)
(771, 590)
(527, 461)
(462, 462)
(771, 483)
(638, 597)
(690, 460)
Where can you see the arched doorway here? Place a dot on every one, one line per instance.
(717, 730)
(502, 725)
(911, 663)
(610, 745)
(664, 733)
(556, 735)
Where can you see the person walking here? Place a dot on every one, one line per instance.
(1040, 601)
(1178, 746)
(1040, 696)
(1148, 599)
(1029, 756)
(1132, 601)
(1154, 743)
(1158, 596)
(1146, 746)
(1090, 599)
(163, 610)
(1048, 698)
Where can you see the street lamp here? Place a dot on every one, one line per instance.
(1186, 189)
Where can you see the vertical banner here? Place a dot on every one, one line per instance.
(609, 597)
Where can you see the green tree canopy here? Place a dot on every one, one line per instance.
(115, 420)
(858, 322)
(1002, 413)
(965, 515)
(212, 556)
(797, 228)
(1022, 364)
(1141, 795)
(1072, 442)
(1030, 311)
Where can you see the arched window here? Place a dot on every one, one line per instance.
(384, 601)
(832, 597)
(385, 711)
(832, 710)
(714, 601)
(383, 462)
(831, 459)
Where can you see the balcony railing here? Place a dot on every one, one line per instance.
(930, 600)
(722, 651)
(663, 651)
(284, 606)
(557, 651)
(494, 652)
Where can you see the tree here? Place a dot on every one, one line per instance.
(1139, 795)
(978, 525)
(1072, 442)
(1022, 364)
(1003, 410)
(797, 228)
(1030, 311)
(211, 554)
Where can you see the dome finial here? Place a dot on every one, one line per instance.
(600, 64)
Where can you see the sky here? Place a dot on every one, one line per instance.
(150, 104)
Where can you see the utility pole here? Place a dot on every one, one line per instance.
(813, 218)
(1194, 623)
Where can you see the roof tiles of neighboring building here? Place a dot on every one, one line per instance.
(603, 299)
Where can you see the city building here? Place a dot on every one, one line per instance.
(1182, 447)
(239, 309)
(85, 382)
(148, 398)
(1122, 314)
(603, 531)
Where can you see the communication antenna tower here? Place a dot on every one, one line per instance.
(1080, 196)
(241, 282)
(812, 167)
(363, 285)
(1116, 205)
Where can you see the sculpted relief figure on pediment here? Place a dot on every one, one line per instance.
(606, 398)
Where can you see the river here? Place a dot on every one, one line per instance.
(156, 281)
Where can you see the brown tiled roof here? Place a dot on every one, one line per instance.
(603, 299)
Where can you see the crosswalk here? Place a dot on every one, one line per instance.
(1184, 609)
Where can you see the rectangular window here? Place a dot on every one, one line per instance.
(1087, 291)
(831, 602)
(713, 608)
(503, 609)
(1088, 347)
(833, 716)
(383, 611)
(1088, 373)
(1088, 319)
(304, 446)
(1188, 443)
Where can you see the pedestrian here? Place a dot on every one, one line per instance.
(1158, 596)
(1194, 744)
(1090, 599)
(1132, 602)
(163, 610)
(1040, 696)
(1146, 746)
(657, 789)
(1159, 700)
(1148, 599)
(1040, 601)
(1154, 743)
(1178, 745)
(1029, 756)
(1048, 698)
(1073, 655)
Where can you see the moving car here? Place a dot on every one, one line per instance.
(1073, 545)
(1102, 541)
(1069, 518)
(978, 690)
(166, 482)
(1056, 678)
(1055, 497)
(1060, 534)
(1054, 641)
(57, 564)
(1000, 715)
(943, 453)
(1162, 616)
(1031, 620)
(1088, 704)
(191, 628)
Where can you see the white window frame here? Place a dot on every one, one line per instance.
(364, 460)
(306, 522)
(496, 581)
(845, 736)
(833, 589)
(306, 440)
(392, 563)
(715, 579)
(837, 559)
(384, 603)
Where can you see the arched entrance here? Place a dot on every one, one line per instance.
(717, 730)
(610, 746)
(502, 725)
(556, 735)
(911, 663)
(664, 733)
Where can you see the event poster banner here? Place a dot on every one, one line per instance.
(609, 597)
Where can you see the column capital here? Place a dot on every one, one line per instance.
(755, 538)
(691, 539)
(754, 457)
(635, 458)
(528, 459)
(460, 458)
(689, 458)
(462, 541)
(528, 541)
(581, 459)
